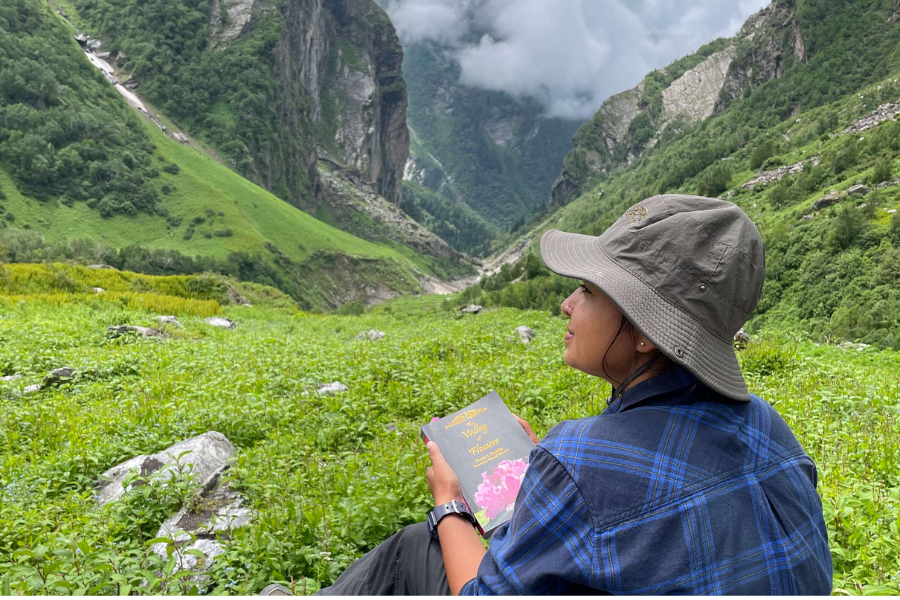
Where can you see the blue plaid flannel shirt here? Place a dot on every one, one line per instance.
(673, 489)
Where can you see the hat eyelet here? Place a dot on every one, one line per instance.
(702, 287)
(679, 351)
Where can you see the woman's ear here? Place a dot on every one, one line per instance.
(643, 344)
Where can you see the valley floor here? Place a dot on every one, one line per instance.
(328, 477)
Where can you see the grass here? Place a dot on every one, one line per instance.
(330, 477)
(254, 215)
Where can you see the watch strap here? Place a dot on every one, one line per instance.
(454, 507)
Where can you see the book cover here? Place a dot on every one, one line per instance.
(488, 450)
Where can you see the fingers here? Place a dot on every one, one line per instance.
(528, 430)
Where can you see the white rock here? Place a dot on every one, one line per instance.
(170, 319)
(333, 388)
(220, 322)
(144, 331)
(12, 377)
(742, 337)
(59, 375)
(892, 211)
(526, 334)
(215, 510)
(98, 290)
(208, 453)
(472, 309)
(31, 389)
(372, 335)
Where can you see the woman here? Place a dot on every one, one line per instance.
(685, 483)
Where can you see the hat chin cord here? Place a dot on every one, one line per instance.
(620, 389)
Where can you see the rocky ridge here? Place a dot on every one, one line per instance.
(768, 44)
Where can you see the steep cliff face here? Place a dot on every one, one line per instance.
(769, 43)
(686, 92)
(345, 58)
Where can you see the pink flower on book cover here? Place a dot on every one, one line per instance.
(497, 492)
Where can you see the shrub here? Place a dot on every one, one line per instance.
(762, 153)
(172, 168)
(715, 180)
(772, 163)
(767, 358)
(351, 308)
(882, 170)
(223, 232)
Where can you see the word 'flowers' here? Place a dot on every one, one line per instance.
(498, 492)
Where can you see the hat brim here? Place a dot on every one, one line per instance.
(673, 331)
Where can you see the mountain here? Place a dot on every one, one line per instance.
(793, 120)
(83, 176)
(489, 151)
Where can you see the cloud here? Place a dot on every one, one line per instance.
(569, 54)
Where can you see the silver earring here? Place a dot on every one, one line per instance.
(642, 344)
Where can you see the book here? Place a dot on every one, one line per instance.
(489, 452)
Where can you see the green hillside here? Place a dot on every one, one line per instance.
(77, 164)
(832, 271)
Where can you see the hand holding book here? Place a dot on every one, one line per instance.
(483, 455)
(442, 481)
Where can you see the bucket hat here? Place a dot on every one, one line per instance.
(686, 271)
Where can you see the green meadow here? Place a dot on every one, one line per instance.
(329, 477)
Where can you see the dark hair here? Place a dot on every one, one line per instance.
(626, 325)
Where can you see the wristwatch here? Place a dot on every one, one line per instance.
(454, 507)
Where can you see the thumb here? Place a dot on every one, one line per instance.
(434, 452)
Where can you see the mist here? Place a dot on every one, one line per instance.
(570, 55)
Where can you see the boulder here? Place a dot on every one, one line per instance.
(12, 377)
(472, 309)
(330, 389)
(858, 189)
(180, 137)
(372, 335)
(168, 319)
(809, 217)
(31, 389)
(209, 452)
(93, 45)
(102, 267)
(211, 514)
(526, 334)
(58, 376)
(98, 290)
(144, 331)
(742, 337)
(82, 38)
(235, 298)
(827, 200)
(889, 183)
(220, 322)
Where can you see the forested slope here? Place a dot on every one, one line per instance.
(486, 150)
(833, 251)
(83, 177)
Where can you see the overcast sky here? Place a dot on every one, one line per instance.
(569, 54)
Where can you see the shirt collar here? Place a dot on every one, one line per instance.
(664, 383)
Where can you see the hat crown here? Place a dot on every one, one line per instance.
(703, 255)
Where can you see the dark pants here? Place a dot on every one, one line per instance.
(409, 563)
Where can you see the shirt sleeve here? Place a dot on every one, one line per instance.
(547, 546)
